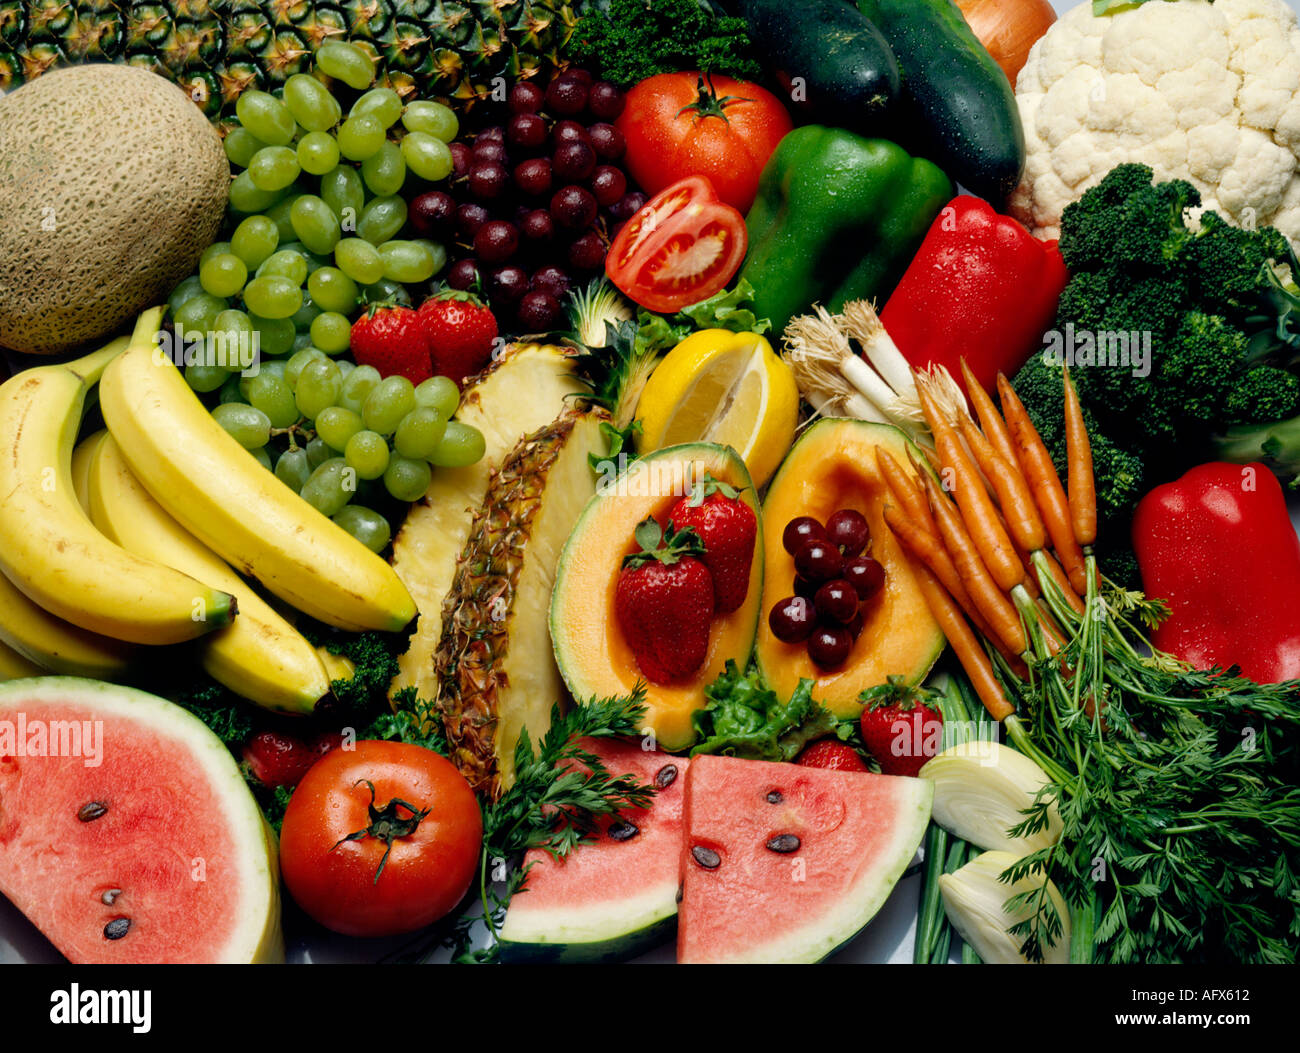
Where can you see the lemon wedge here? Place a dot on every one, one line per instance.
(726, 388)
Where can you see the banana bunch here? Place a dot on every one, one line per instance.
(140, 534)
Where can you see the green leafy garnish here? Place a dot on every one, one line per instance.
(560, 790)
(745, 718)
(731, 309)
(412, 719)
(630, 40)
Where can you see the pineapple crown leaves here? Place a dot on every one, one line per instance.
(710, 486)
(617, 372)
(664, 548)
(897, 692)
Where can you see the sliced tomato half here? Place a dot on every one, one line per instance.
(683, 246)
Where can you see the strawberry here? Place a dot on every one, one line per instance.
(828, 753)
(900, 730)
(664, 603)
(461, 331)
(277, 759)
(728, 528)
(391, 338)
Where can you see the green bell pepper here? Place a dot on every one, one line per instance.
(837, 218)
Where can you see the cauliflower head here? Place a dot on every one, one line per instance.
(1205, 92)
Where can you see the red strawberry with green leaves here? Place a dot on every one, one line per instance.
(899, 729)
(833, 755)
(729, 530)
(391, 338)
(461, 331)
(664, 603)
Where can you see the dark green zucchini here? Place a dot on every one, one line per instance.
(957, 107)
(834, 62)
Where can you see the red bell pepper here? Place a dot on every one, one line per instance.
(1218, 544)
(981, 287)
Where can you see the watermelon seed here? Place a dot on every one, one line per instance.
(783, 843)
(623, 830)
(706, 857)
(109, 896)
(666, 776)
(775, 797)
(116, 928)
(91, 810)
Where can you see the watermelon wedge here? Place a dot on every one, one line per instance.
(785, 864)
(614, 898)
(127, 833)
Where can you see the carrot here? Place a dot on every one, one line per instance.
(972, 656)
(992, 602)
(905, 490)
(1040, 473)
(1083, 487)
(991, 423)
(927, 549)
(977, 511)
(1023, 521)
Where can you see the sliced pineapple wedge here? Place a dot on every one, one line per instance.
(494, 665)
(526, 389)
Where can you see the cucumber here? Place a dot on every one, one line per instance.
(957, 107)
(835, 64)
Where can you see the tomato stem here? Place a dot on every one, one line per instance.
(709, 104)
(386, 824)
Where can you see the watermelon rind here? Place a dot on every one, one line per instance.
(255, 935)
(612, 931)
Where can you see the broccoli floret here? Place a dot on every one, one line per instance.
(1222, 319)
(1126, 221)
(1223, 264)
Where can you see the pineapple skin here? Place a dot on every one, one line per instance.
(217, 49)
(494, 599)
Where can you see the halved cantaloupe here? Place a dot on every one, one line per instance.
(594, 658)
(833, 466)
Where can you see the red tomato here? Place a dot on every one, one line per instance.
(680, 124)
(432, 857)
(682, 247)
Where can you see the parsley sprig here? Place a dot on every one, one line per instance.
(560, 790)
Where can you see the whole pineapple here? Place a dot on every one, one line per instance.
(217, 49)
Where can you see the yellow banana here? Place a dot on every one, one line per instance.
(222, 496)
(48, 546)
(260, 655)
(14, 666)
(53, 644)
(81, 458)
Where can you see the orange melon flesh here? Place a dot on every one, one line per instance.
(593, 655)
(833, 466)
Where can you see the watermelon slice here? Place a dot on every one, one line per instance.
(784, 864)
(127, 833)
(614, 898)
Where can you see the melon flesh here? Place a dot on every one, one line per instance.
(181, 836)
(857, 833)
(608, 900)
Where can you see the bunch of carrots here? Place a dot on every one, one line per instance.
(1009, 554)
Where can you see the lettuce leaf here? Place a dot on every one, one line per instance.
(745, 718)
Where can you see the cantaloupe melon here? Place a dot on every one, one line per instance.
(111, 184)
(833, 466)
(594, 657)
